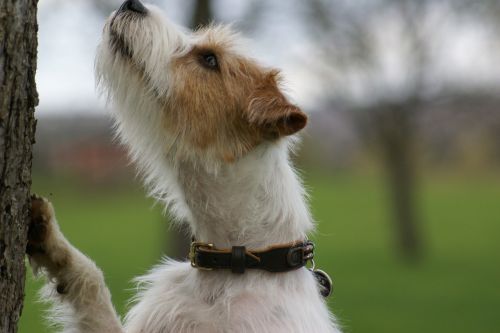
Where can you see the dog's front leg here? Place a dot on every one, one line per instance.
(82, 302)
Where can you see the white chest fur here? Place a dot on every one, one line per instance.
(179, 298)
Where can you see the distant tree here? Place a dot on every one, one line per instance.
(18, 98)
(202, 14)
(381, 59)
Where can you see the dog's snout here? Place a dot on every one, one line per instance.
(134, 6)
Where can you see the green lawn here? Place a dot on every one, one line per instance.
(455, 288)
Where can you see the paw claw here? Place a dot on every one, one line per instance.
(47, 248)
(41, 215)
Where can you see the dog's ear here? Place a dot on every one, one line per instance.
(270, 111)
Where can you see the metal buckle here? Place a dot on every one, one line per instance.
(300, 255)
(192, 254)
(309, 248)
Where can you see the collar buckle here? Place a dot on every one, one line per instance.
(192, 253)
(298, 256)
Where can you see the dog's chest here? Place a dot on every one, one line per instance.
(186, 301)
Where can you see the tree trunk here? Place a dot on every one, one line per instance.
(396, 136)
(202, 14)
(18, 98)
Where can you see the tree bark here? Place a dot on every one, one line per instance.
(18, 98)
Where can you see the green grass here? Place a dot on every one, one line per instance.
(455, 288)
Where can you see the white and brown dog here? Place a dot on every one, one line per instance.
(210, 131)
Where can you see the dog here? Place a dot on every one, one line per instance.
(210, 132)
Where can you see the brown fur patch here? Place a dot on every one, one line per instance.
(269, 109)
(230, 109)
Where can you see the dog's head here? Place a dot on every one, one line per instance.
(189, 91)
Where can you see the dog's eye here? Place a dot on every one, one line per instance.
(209, 60)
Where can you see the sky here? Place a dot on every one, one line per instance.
(69, 32)
(68, 36)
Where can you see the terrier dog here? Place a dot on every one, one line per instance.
(210, 131)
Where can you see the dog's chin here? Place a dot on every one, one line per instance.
(141, 45)
(118, 46)
(118, 29)
(119, 37)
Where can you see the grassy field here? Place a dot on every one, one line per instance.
(455, 288)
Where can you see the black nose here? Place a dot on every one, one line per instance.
(133, 5)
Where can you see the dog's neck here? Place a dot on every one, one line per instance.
(255, 202)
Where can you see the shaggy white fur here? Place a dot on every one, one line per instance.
(255, 201)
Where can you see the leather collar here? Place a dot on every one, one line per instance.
(276, 258)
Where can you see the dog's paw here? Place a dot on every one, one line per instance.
(46, 246)
(42, 214)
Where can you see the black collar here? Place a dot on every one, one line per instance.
(276, 258)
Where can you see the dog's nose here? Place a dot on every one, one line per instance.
(133, 5)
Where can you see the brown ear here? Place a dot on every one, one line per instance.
(270, 111)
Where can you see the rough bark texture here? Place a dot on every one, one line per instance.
(18, 98)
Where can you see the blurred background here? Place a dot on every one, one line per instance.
(401, 155)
